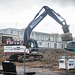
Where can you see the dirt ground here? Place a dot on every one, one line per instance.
(50, 59)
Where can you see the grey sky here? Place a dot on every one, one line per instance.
(19, 13)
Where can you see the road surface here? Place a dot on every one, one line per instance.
(38, 71)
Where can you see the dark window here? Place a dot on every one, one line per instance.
(61, 45)
(11, 31)
(40, 43)
(55, 45)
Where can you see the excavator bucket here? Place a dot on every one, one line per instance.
(67, 37)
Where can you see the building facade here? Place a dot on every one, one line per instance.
(13, 31)
(48, 40)
(43, 39)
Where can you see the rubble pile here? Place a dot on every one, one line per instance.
(53, 55)
(50, 59)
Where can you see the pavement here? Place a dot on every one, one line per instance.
(38, 71)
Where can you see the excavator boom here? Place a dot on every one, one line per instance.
(55, 16)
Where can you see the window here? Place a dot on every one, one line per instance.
(11, 31)
(61, 45)
(22, 32)
(55, 45)
(48, 45)
(18, 32)
(56, 38)
(40, 43)
(32, 45)
(49, 37)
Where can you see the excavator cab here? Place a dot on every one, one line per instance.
(32, 45)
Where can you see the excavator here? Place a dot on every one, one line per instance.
(31, 44)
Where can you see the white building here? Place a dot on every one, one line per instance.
(13, 31)
(43, 39)
(48, 40)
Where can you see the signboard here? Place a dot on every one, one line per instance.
(15, 49)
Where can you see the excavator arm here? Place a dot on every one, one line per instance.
(48, 11)
(57, 17)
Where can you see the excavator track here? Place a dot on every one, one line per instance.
(30, 58)
(20, 58)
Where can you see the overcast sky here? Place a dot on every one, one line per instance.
(19, 13)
